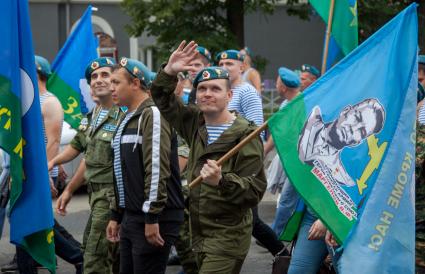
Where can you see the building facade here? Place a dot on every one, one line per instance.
(283, 40)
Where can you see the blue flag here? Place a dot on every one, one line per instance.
(347, 145)
(21, 136)
(68, 81)
(334, 53)
(384, 238)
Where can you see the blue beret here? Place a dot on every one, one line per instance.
(152, 77)
(42, 66)
(311, 69)
(98, 63)
(204, 52)
(289, 78)
(137, 69)
(248, 51)
(230, 54)
(421, 59)
(210, 73)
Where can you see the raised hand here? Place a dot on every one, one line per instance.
(180, 58)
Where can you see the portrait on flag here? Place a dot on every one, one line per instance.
(320, 143)
(346, 146)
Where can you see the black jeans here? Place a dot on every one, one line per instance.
(139, 256)
(264, 234)
(66, 247)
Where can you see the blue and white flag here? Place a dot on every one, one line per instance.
(384, 238)
(68, 81)
(21, 136)
(347, 145)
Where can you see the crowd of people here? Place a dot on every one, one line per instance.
(150, 135)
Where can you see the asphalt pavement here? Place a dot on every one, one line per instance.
(258, 259)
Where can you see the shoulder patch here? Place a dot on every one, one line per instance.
(109, 127)
(83, 124)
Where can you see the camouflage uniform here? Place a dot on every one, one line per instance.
(420, 199)
(100, 255)
(184, 244)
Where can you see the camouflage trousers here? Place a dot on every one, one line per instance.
(184, 243)
(100, 255)
(214, 263)
(420, 251)
(184, 247)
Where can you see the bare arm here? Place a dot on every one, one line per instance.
(76, 181)
(269, 145)
(52, 117)
(182, 163)
(255, 78)
(65, 156)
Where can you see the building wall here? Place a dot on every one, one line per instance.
(45, 25)
(284, 40)
(48, 22)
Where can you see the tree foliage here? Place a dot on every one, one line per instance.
(218, 24)
(215, 24)
(372, 14)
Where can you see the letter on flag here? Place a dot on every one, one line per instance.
(68, 82)
(21, 136)
(347, 145)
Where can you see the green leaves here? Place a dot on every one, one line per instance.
(205, 21)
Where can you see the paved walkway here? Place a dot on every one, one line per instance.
(258, 260)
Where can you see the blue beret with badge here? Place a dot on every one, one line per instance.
(204, 52)
(289, 78)
(152, 76)
(311, 69)
(98, 63)
(421, 59)
(210, 73)
(42, 66)
(230, 54)
(137, 69)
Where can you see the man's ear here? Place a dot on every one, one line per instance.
(136, 84)
(229, 94)
(241, 67)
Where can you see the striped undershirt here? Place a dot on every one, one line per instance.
(421, 116)
(247, 102)
(99, 118)
(214, 132)
(116, 146)
(55, 171)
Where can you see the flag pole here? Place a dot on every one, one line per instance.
(328, 36)
(233, 151)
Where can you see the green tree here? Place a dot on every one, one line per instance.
(372, 15)
(215, 24)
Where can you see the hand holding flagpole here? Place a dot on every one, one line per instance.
(233, 151)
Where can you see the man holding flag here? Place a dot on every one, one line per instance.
(221, 234)
(21, 136)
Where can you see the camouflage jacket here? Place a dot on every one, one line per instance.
(420, 195)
